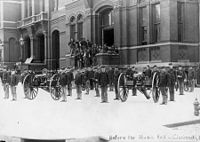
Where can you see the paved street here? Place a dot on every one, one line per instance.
(46, 118)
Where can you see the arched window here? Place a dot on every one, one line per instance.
(72, 27)
(80, 26)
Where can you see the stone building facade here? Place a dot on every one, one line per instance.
(144, 31)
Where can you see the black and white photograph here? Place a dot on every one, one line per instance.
(99, 70)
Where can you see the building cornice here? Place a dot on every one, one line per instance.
(10, 1)
(59, 19)
(159, 44)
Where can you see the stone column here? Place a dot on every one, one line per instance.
(22, 9)
(33, 7)
(45, 46)
(32, 46)
(87, 25)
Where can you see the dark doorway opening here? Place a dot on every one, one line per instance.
(55, 52)
(108, 35)
(40, 49)
(27, 48)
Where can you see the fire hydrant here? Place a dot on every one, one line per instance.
(196, 107)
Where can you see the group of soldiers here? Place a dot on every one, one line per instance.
(102, 78)
(84, 52)
(169, 79)
(9, 79)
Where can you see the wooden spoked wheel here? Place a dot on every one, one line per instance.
(55, 88)
(155, 90)
(30, 91)
(122, 88)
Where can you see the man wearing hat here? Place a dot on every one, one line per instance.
(6, 82)
(111, 78)
(13, 83)
(103, 82)
(96, 81)
(116, 77)
(191, 78)
(70, 78)
(163, 81)
(171, 81)
(63, 83)
(181, 78)
(79, 82)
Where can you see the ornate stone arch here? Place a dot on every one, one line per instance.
(70, 17)
(103, 4)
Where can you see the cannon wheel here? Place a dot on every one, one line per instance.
(30, 91)
(122, 88)
(55, 88)
(155, 91)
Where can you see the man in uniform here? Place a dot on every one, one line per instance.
(171, 81)
(63, 83)
(111, 78)
(103, 82)
(163, 85)
(6, 82)
(96, 82)
(70, 78)
(130, 77)
(86, 79)
(116, 77)
(191, 78)
(13, 83)
(180, 78)
(79, 82)
(147, 72)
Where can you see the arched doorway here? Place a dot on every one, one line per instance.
(55, 51)
(27, 48)
(40, 49)
(106, 25)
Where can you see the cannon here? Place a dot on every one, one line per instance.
(48, 81)
(146, 86)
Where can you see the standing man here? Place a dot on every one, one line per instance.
(96, 84)
(191, 78)
(111, 78)
(6, 82)
(171, 82)
(70, 78)
(63, 83)
(163, 85)
(13, 83)
(130, 76)
(116, 77)
(79, 82)
(180, 78)
(103, 82)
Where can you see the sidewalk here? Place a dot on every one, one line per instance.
(45, 118)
